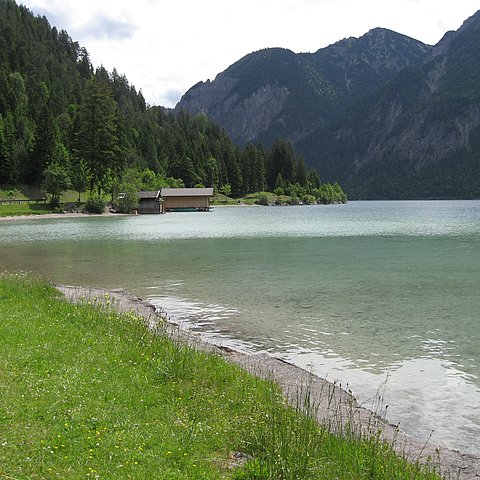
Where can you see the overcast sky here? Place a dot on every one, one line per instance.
(166, 46)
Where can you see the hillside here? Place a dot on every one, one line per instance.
(386, 115)
(90, 129)
(277, 93)
(56, 109)
(418, 137)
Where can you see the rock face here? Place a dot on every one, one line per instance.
(275, 92)
(245, 116)
(384, 114)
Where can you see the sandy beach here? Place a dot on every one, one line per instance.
(333, 403)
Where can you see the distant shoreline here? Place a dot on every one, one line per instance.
(63, 215)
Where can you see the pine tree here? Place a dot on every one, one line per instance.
(97, 141)
(4, 166)
(301, 172)
(45, 138)
(282, 160)
(9, 165)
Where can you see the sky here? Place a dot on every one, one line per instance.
(164, 47)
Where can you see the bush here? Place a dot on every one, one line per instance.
(94, 204)
(262, 199)
(127, 202)
(293, 199)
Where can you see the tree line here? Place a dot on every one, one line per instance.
(65, 125)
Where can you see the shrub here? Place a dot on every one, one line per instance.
(127, 202)
(263, 199)
(309, 199)
(94, 204)
(293, 199)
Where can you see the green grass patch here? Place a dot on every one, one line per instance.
(250, 199)
(221, 199)
(14, 209)
(89, 393)
(25, 192)
(20, 192)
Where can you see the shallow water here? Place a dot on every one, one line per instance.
(358, 293)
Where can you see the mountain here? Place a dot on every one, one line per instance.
(384, 114)
(276, 93)
(418, 136)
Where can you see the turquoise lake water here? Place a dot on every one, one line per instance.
(360, 294)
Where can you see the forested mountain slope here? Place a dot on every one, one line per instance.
(93, 127)
(419, 136)
(52, 103)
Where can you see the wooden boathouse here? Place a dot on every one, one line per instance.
(149, 202)
(186, 199)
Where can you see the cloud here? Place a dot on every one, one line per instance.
(106, 27)
(143, 39)
(57, 17)
(172, 96)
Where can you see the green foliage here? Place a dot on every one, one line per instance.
(308, 199)
(226, 189)
(278, 191)
(132, 182)
(80, 176)
(97, 137)
(95, 203)
(327, 193)
(281, 164)
(263, 199)
(148, 179)
(127, 201)
(56, 182)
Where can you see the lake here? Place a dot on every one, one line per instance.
(379, 296)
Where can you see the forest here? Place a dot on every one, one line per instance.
(67, 125)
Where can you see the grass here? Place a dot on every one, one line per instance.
(19, 192)
(26, 192)
(7, 210)
(250, 199)
(89, 393)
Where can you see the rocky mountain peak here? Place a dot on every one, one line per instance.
(275, 92)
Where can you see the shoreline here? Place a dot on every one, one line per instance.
(333, 403)
(40, 216)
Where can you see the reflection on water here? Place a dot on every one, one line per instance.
(357, 293)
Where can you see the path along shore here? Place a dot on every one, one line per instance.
(334, 405)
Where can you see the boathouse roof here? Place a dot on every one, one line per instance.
(146, 195)
(187, 192)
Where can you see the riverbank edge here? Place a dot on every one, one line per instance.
(333, 404)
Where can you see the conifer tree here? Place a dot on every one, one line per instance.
(97, 141)
(45, 139)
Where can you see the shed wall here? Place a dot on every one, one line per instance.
(185, 202)
(149, 205)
